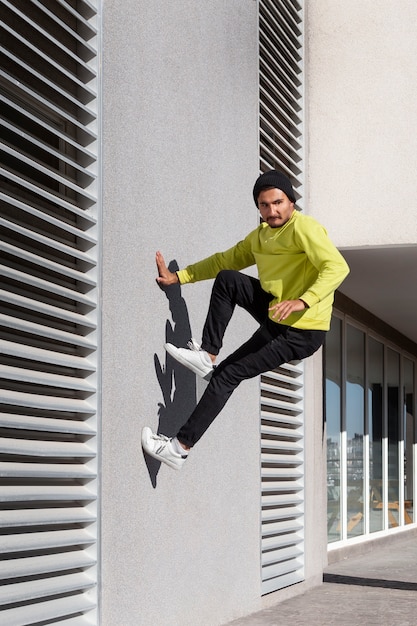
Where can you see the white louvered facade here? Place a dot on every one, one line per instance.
(48, 312)
(281, 90)
(281, 128)
(282, 470)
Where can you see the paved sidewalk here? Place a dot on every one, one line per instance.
(377, 588)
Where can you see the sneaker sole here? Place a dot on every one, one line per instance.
(173, 351)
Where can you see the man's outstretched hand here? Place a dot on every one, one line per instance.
(165, 277)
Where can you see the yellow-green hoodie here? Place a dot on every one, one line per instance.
(297, 260)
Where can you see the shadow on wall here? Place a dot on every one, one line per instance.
(178, 384)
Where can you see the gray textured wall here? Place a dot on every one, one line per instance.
(179, 160)
(361, 98)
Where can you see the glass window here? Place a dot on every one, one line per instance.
(393, 399)
(333, 426)
(355, 427)
(375, 420)
(408, 427)
(371, 433)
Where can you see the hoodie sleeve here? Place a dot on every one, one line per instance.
(331, 267)
(235, 258)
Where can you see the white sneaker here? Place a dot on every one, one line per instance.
(160, 448)
(193, 357)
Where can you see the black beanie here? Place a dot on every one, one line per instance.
(273, 179)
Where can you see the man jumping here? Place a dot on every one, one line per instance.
(299, 270)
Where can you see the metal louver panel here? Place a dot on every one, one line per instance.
(281, 146)
(281, 124)
(48, 312)
(282, 463)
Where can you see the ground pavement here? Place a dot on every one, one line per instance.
(376, 588)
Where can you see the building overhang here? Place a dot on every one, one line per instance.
(383, 280)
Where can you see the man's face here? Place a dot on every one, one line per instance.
(275, 207)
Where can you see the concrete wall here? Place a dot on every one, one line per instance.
(362, 93)
(180, 157)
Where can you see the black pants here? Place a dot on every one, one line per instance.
(272, 345)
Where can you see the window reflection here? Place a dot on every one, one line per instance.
(333, 427)
(371, 433)
(355, 422)
(393, 382)
(375, 413)
(408, 427)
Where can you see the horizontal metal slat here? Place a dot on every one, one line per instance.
(52, 173)
(44, 193)
(272, 519)
(270, 145)
(43, 449)
(283, 499)
(284, 107)
(293, 396)
(50, 586)
(49, 83)
(38, 565)
(48, 35)
(281, 415)
(281, 418)
(270, 560)
(11, 518)
(89, 28)
(43, 262)
(49, 403)
(50, 219)
(282, 70)
(46, 424)
(39, 330)
(279, 395)
(281, 459)
(281, 569)
(267, 138)
(292, 147)
(273, 152)
(279, 433)
(281, 485)
(61, 156)
(290, 12)
(67, 471)
(43, 123)
(281, 376)
(271, 551)
(34, 493)
(48, 310)
(278, 534)
(275, 159)
(277, 68)
(287, 55)
(281, 472)
(45, 285)
(42, 378)
(283, 581)
(81, 41)
(85, 133)
(281, 445)
(45, 540)
(46, 356)
(78, 85)
(272, 21)
(87, 619)
(44, 611)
